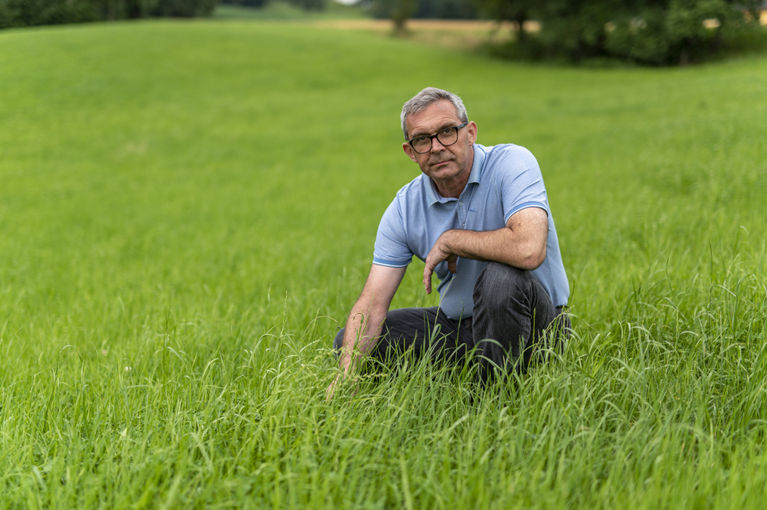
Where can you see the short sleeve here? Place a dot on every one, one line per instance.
(391, 248)
(521, 183)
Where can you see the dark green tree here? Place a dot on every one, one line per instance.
(445, 9)
(184, 8)
(309, 5)
(247, 3)
(399, 11)
(51, 12)
(654, 32)
(518, 12)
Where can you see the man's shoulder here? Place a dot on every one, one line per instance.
(506, 153)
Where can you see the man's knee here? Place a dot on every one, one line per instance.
(338, 342)
(499, 283)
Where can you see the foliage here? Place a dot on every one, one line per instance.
(445, 9)
(516, 11)
(309, 5)
(399, 11)
(52, 12)
(246, 3)
(655, 32)
(184, 8)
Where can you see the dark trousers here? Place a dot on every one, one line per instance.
(513, 317)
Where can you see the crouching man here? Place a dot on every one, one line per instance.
(479, 217)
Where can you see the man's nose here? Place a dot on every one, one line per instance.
(436, 145)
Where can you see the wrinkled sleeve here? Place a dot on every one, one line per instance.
(391, 248)
(521, 183)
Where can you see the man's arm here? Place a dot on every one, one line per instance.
(521, 243)
(363, 327)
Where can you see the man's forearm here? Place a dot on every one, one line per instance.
(363, 328)
(521, 243)
(496, 245)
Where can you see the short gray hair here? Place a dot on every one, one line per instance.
(428, 96)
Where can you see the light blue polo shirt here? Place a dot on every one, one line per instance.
(504, 179)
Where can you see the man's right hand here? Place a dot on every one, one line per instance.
(331, 391)
(339, 380)
(366, 320)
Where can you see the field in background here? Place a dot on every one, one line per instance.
(277, 10)
(453, 34)
(187, 211)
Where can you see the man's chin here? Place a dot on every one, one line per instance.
(442, 169)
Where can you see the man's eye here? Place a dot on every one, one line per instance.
(420, 139)
(446, 131)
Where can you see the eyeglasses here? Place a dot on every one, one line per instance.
(446, 136)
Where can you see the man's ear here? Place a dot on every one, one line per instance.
(472, 131)
(409, 151)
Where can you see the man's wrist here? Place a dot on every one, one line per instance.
(449, 239)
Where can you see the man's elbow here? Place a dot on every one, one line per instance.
(533, 258)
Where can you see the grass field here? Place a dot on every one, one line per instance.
(187, 211)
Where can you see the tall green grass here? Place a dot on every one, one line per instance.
(187, 212)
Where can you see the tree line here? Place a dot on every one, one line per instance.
(649, 32)
(652, 32)
(21, 13)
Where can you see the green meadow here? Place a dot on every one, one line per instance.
(187, 212)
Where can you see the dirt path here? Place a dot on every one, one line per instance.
(449, 33)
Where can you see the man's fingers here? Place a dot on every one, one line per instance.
(331, 391)
(427, 278)
(451, 263)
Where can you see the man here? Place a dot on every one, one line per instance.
(479, 217)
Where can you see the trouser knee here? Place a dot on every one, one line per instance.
(498, 284)
(338, 342)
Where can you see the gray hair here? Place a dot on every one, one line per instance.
(428, 96)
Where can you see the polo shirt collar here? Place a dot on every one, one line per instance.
(432, 197)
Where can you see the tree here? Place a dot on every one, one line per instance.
(516, 11)
(654, 32)
(445, 9)
(50, 12)
(184, 8)
(247, 3)
(399, 11)
(309, 5)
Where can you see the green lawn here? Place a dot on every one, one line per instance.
(187, 212)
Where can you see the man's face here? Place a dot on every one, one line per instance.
(442, 163)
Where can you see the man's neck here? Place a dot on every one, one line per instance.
(452, 188)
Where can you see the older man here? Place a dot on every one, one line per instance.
(479, 217)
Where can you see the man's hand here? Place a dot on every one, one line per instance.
(439, 252)
(338, 382)
(348, 372)
(521, 243)
(365, 321)
(331, 391)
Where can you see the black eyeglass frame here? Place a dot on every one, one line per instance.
(436, 135)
